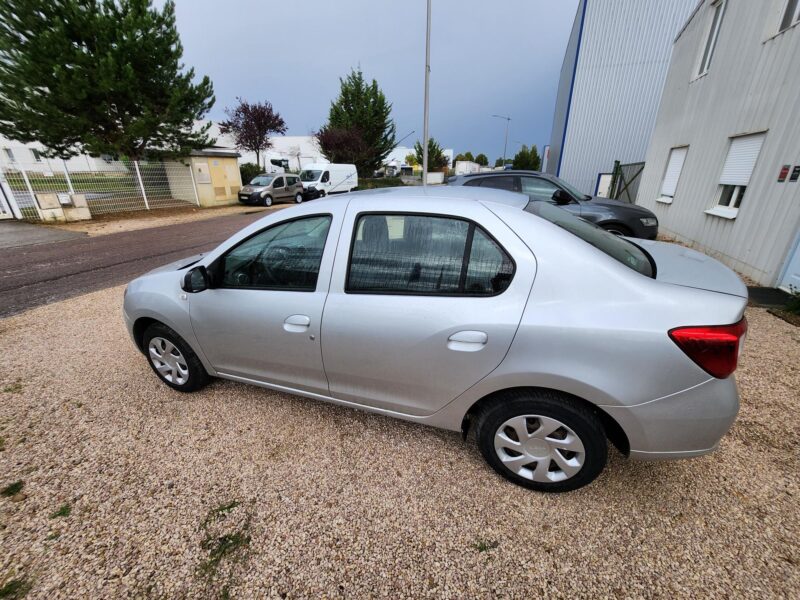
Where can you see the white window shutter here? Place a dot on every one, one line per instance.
(673, 172)
(742, 157)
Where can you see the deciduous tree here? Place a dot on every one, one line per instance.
(251, 125)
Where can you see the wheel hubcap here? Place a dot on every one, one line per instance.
(168, 361)
(539, 448)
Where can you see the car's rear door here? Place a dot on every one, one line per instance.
(425, 299)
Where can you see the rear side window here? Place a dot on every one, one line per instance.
(618, 248)
(504, 182)
(426, 255)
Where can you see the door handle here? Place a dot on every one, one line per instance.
(296, 323)
(467, 341)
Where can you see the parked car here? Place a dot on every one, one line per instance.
(321, 179)
(267, 188)
(467, 309)
(620, 218)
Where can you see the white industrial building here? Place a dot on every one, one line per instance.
(611, 81)
(723, 165)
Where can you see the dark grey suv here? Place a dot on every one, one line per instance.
(615, 216)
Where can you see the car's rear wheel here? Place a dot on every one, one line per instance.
(542, 440)
(173, 360)
(617, 229)
(267, 200)
(298, 197)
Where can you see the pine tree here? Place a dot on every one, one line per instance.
(98, 76)
(360, 110)
(437, 159)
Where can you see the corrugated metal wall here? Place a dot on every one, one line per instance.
(753, 85)
(622, 63)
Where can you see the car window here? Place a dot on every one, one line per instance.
(473, 183)
(326, 177)
(618, 248)
(285, 256)
(505, 182)
(538, 188)
(290, 181)
(422, 254)
(278, 182)
(261, 180)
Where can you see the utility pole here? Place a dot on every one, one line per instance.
(505, 144)
(425, 111)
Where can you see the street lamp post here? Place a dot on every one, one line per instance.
(505, 144)
(425, 112)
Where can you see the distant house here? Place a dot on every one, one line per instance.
(723, 166)
(611, 81)
(17, 155)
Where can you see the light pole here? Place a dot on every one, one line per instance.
(425, 112)
(505, 145)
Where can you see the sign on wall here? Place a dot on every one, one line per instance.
(784, 173)
(795, 173)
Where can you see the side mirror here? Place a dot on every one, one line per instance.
(196, 280)
(561, 198)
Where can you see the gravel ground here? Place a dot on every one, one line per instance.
(246, 492)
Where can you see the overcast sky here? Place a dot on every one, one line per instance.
(487, 57)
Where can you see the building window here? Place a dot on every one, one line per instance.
(9, 154)
(672, 174)
(713, 36)
(37, 156)
(742, 156)
(791, 15)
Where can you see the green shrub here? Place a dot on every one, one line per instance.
(248, 171)
(379, 182)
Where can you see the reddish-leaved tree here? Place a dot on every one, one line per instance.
(251, 124)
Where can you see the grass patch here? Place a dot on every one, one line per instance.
(485, 545)
(222, 547)
(11, 490)
(64, 511)
(16, 588)
(14, 388)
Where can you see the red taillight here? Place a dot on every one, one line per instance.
(715, 348)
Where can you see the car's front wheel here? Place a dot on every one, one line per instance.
(542, 440)
(173, 360)
(267, 200)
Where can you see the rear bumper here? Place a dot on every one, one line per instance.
(683, 425)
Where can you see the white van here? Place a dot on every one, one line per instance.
(329, 178)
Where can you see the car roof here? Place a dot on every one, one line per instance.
(504, 172)
(514, 199)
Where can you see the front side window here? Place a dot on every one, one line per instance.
(791, 15)
(426, 255)
(285, 256)
(538, 188)
(618, 248)
(278, 182)
(326, 177)
(309, 175)
(718, 9)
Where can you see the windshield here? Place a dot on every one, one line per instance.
(618, 248)
(309, 175)
(572, 190)
(261, 180)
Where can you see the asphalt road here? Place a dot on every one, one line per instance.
(44, 273)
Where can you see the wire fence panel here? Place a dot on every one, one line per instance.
(114, 186)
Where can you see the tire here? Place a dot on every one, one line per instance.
(187, 373)
(267, 200)
(298, 197)
(322, 193)
(540, 410)
(618, 229)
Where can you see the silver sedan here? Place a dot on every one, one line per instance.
(468, 309)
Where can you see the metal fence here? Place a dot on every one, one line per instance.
(109, 186)
(625, 181)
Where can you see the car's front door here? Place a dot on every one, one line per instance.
(261, 319)
(423, 304)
